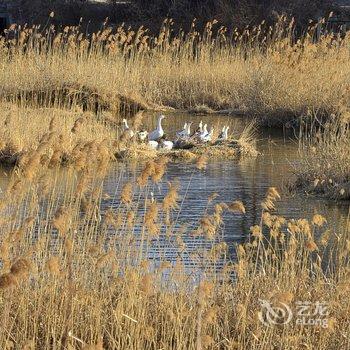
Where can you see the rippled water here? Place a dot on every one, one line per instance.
(247, 180)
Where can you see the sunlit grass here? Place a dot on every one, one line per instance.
(266, 72)
(324, 166)
(76, 276)
(85, 269)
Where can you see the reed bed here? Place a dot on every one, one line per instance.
(324, 166)
(85, 269)
(268, 72)
(77, 274)
(64, 131)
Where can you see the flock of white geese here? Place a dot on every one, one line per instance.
(185, 138)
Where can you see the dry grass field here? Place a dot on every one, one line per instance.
(265, 72)
(324, 166)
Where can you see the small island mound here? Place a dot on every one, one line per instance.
(186, 145)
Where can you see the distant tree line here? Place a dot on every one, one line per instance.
(238, 13)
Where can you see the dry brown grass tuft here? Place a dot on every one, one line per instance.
(324, 166)
(56, 133)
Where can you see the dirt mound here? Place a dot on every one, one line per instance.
(230, 150)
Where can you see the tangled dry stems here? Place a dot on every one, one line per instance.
(265, 71)
(324, 166)
(76, 276)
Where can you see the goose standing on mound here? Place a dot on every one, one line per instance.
(199, 129)
(209, 135)
(158, 133)
(204, 133)
(182, 133)
(166, 145)
(224, 134)
(188, 129)
(127, 130)
(221, 135)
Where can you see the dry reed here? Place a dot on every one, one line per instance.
(266, 71)
(95, 285)
(324, 161)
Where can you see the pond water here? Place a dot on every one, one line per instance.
(246, 180)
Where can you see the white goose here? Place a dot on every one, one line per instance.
(166, 145)
(126, 128)
(158, 132)
(142, 135)
(153, 144)
(188, 129)
(199, 130)
(221, 135)
(204, 133)
(224, 134)
(208, 137)
(182, 133)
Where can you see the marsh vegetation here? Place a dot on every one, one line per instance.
(266, 72)
(76, 276)
(324, 166)
(84, 269)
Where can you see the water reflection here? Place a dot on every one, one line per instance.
(247, 180)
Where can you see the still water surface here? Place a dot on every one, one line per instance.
(246, 180)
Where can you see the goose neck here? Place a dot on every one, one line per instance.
(159, 125)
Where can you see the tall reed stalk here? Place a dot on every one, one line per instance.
(268, 72)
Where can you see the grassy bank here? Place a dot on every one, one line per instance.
(265, 72)
(57, 132)
(75, 277)
(324, 166)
